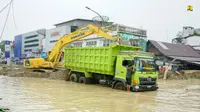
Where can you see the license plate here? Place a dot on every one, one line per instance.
(148, 86)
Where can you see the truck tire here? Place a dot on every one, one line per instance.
(82, 80)
(73, 78)
(119, 85)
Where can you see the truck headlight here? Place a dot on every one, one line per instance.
(137, 87)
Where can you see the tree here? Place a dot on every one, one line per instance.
(2, 46)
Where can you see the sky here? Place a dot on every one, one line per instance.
(161, 18)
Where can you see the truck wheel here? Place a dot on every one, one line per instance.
(82, 80)
(119, 85)
(73, 78)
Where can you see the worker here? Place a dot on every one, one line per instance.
(44, 55)
(129, 74)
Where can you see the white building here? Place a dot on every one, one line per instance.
(64, 28)
(189, 36)
(32, 43)
(61, 29)
(52, 35)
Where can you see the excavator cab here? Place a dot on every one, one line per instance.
(27, 62)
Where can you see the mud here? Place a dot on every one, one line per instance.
(19, 71)
(62, 74)
(184, 74)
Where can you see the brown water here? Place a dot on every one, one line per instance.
(44, 95)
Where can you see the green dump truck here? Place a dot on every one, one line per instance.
(108, 66)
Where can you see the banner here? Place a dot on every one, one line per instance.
(7, 49)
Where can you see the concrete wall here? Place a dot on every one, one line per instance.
(54, 34)
(187, 31)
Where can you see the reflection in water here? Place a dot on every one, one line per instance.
(43, 95)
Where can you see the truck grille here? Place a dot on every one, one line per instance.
(147, 81)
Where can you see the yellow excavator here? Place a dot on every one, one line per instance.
(53, 59)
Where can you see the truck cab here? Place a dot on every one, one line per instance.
(144, 75)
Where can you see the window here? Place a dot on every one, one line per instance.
(91, 43)
(32, 36)
(36, 40)
(33, 45)
(52, 41)
(145, 64)
(74, 28)
(106, 42)
(127, 63)
(27, 50)
(78, 44)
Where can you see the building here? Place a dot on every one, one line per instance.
(18, 46)
(29, 44)
(189, 36)
(64, 28)
(135, 36)
(174, 53)
(52, 35)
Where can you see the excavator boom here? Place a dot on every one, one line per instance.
(54, 56)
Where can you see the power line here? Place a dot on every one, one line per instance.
(6, 6)
(13, 15)
(5, 22)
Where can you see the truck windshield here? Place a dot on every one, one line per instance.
(145, 64)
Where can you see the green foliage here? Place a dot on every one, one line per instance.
(2, 46)
(196, 34)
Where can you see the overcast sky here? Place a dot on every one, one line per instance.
(161, 18)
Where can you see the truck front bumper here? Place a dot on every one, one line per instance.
(144, 87)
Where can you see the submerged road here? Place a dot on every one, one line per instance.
(44, 95)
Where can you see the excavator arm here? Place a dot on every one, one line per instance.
(54, 56)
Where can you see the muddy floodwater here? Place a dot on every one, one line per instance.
(44, 95)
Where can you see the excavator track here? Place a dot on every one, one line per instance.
(45, 70)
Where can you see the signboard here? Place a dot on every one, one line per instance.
(7, 49)
(55, 34)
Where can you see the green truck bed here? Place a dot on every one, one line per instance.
(94, 59)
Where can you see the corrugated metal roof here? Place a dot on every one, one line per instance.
(78, 19)
(191, 59)
(169, 49)
(198, 63)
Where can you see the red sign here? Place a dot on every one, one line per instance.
(55, 34)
